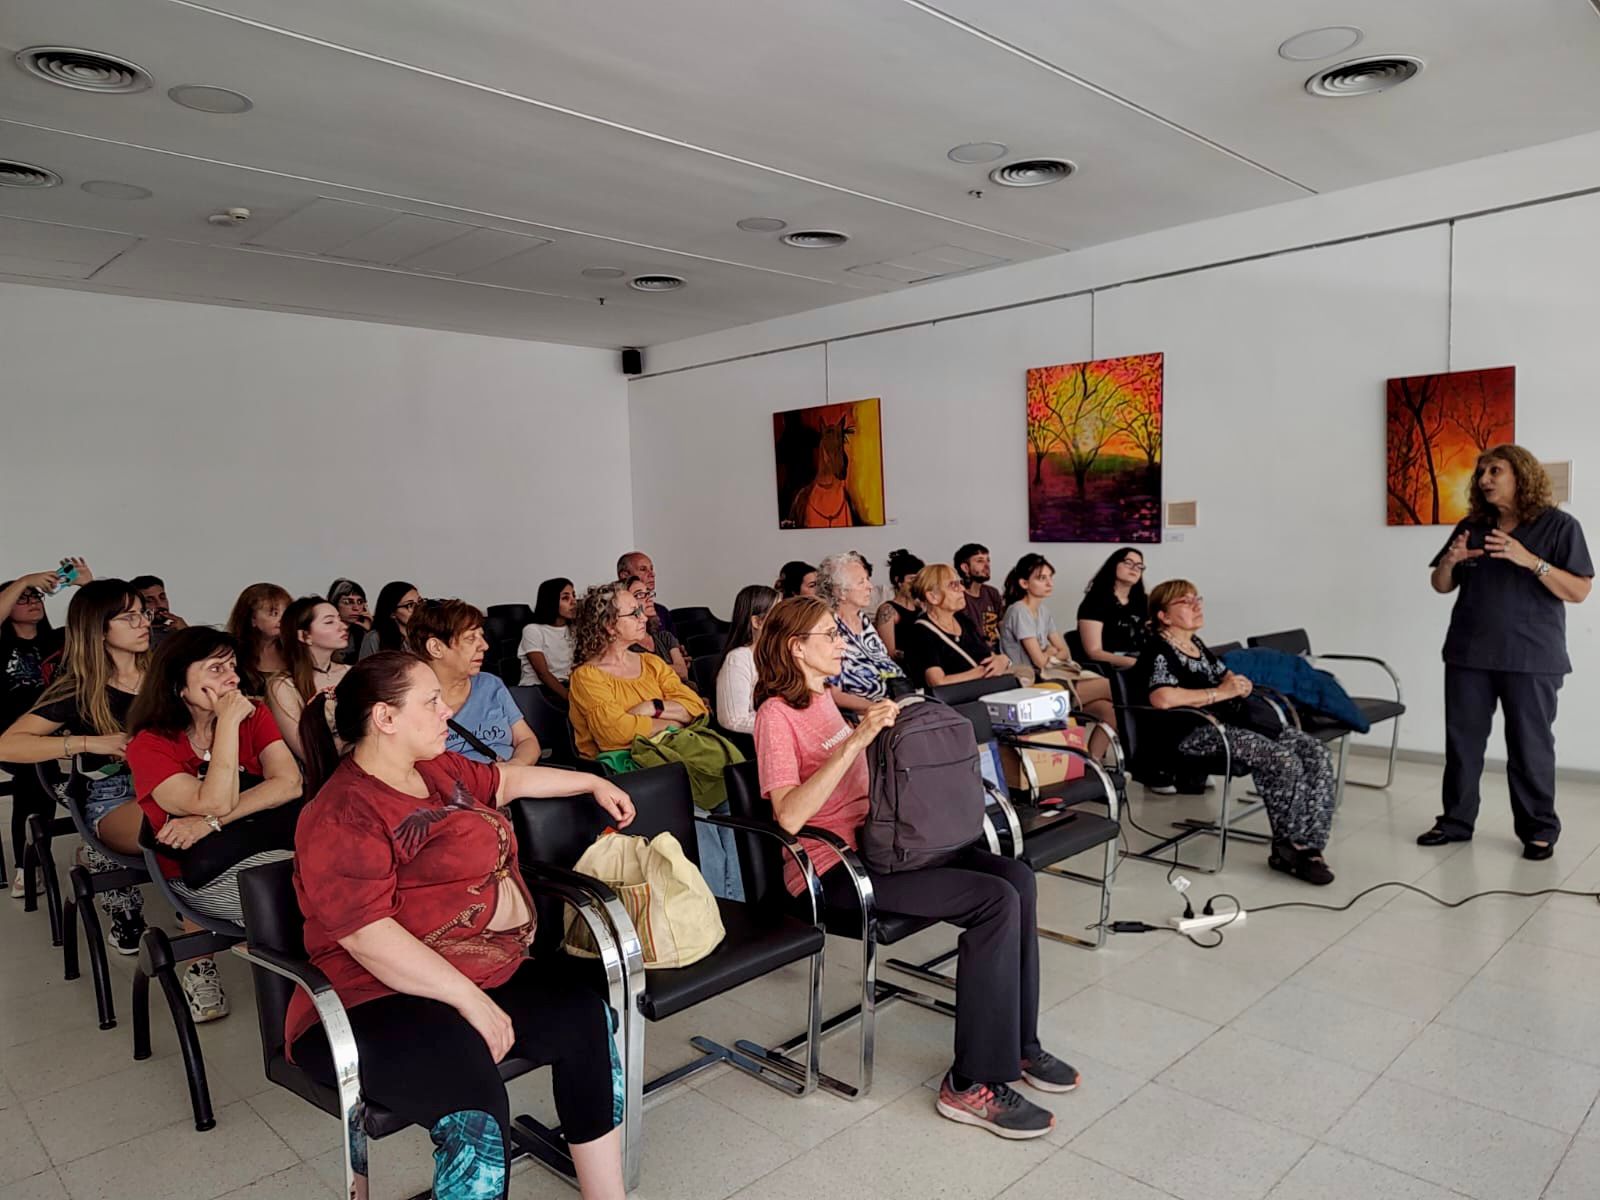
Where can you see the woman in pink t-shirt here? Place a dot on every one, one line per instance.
(814, 773)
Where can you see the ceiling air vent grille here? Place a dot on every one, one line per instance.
(1364, 76)
(815, 239)
(1032, 172)
(25, 175)
(83, 70)
(655, 283)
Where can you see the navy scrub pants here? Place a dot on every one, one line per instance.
(1528, 702)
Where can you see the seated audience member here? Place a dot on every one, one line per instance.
(1112, 618)
(616, 692)
(162, 619)
(796, 579)
(27, 642)
(397, 855)
(661, 642)
(350, 598)
(214, 780)
(254, 624)
(900, 609)
(736, 680)
(313, 635)
(867, 670)
(941, 646)
(448, 636)
(1291, 769)
(814, 772)
(1029, 631)
(396, 602)
(546, 646)
(985, 606)
(83, 715)
(636, 563)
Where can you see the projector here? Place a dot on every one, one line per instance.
(1022, 707)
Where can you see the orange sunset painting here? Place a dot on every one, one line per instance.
(1437, 427)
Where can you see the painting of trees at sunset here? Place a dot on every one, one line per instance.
(1437, 427)
(1094, 451)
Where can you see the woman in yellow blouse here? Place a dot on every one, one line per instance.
(616, 693)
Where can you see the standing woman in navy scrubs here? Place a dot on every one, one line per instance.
(1518, 561)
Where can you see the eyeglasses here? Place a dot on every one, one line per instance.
(29, 594)
(1192, 601)
(833, 635)
(133, 618)
(407, 606)
(636, 613)
(1132, 564)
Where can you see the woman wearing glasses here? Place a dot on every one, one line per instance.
(1112, 616)
(396, 602)
(82, 715)
(1291, 770)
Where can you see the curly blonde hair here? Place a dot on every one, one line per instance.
(1533, 485)
(592, 627)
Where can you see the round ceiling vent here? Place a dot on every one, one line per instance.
(83, 70)
(815, 239)
(762, 224)
(1364, 76)
(26, 175)
(977, 152)
(205, 98)
(1032, 172)
(603, 272)
(655, 283)
(110, 189)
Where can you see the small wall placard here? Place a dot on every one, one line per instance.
(1182, 512)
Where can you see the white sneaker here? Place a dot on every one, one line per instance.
(19, 886)
(204, 991)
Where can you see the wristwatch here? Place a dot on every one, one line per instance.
(1541, 570)
(211, 820)
(661, 707)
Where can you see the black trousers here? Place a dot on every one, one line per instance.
(421, 1060)
(1529, 705)
(994, 902)
(27, 797)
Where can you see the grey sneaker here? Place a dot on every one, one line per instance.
(1049, 1074)
(999, 1108)
(204, 992)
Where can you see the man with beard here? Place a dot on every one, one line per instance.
(985, 606)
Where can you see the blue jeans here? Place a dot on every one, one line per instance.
(719, 857)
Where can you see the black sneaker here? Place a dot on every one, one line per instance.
(1049, 1073)
(126, 930)
(999, 1108)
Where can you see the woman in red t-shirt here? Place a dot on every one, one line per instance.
(415, 910)
(215, 782)
(813, 772)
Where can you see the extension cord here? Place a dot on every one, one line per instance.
(1197, 924)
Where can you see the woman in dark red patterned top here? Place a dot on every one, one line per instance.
(406, 872)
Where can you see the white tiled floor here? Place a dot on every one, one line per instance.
(1398, 1051)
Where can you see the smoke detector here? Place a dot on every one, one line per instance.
(1032, 172)
(815, 239)
(1364, 76)
(1320, 43)
(230, 216)
(762, 224)
(977, 152)
(26, 175)
(204, 98)
(83, 70)
(655, 283)
(110, 189)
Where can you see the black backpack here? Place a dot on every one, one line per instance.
(925, 797)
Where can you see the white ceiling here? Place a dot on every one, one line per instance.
(457, 163)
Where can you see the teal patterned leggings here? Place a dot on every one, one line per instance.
(421, 1060)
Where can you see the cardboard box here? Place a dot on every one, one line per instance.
(1028, 768)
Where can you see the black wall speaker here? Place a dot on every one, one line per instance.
(632, 361)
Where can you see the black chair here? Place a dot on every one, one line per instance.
(690, 615)
(760, 936)
(703, 677)
(278, 966)
(516, 615)
(688, 630)
(1376, 709)
(159, 957)
(38, 856)
(761, 866)
(549, 725)
(704, 644)
(1224, 648)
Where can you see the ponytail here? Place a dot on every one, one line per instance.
(316, 739)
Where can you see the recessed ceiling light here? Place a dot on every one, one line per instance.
(204, 98)
(977, 152)
(762, 224)
(83, 70)
(815, 239)
(1320, 43)
(110, 189)
(655, 283)
(1364, 76)
(26, 175)
(1032, 172)
(603, 272)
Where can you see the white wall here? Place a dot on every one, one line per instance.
(1274, 410)
(218, 446)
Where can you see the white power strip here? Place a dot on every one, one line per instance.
(1196, 924)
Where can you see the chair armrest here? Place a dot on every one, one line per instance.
(1288, 714)
(330, 1010)
(857, 874)
(1366, 658)
(1009, 812)
(615, 937)
(789, 842)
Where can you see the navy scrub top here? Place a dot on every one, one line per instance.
(1504, 618)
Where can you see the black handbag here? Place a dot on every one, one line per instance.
(208, 859)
